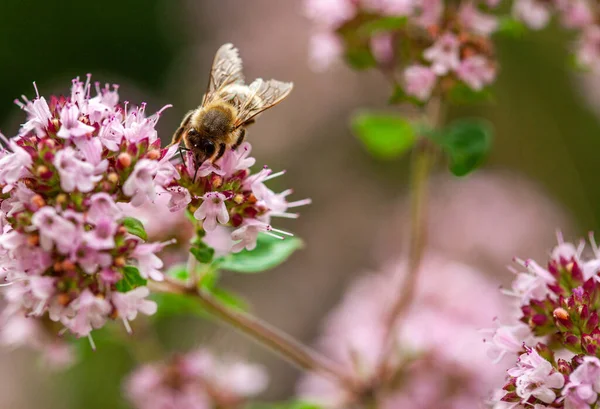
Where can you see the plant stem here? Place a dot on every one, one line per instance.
(423, 159)
(289, 348)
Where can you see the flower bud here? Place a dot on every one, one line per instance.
(124, 160)
(153, 154)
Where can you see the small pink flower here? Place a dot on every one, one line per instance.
(476, 21)
(140, 184)
(588, 53)
(90, 312)
(38, 115)
(235, 160)
(247, 234)
(330, 13)
(147, 260)
(419, 81)
(443, 55)
(476, 72)
(584, 384)
(54, 229)
(130, 303)
(14, 165)
(536, 377)
(575, 13)
(179, 198)
(211, 210)
(324, 50)
(71, 127)
(508, 339)
(102, 205)
(382, 48)
(75, 173)
(101, 237)
(431, 11)
(534, 13)
(111, 133)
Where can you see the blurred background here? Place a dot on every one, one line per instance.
(542, 175)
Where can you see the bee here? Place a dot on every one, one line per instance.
(228, 107)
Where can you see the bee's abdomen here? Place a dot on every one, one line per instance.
(216, 121)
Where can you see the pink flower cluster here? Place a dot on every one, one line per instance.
(556, 337)
(438, 44)
(197, 380)
(438, 361)
(228, 194)
(66, 249)
(436, 48)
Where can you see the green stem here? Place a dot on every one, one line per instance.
(274, 339)
(423, 160)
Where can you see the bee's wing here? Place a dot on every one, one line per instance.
(259, 96)
(226, 70)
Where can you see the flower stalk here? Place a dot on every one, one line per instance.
(263, 333)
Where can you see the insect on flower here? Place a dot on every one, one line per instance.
(227, 108)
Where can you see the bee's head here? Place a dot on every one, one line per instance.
(202, 147)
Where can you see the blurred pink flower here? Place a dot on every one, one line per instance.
(197, 380)
(476, 71)
(439, 342)
(535, 13)
(443, 55)
(419, 81)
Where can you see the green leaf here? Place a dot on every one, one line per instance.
(463, 94)
(360, 58)
(170, 304)
(131, 279)
(269, 253)
(511, 27)
(385, 136)
(135, 227)
(202, 252)
(178, 272)
(382, 25)
(467, 143)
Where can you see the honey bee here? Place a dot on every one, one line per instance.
(228, 107)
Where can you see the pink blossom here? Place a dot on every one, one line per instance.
(419, 81)
(91, 312)
(476, 72)
(14, 166)
(534, 13)
(75, 173)
(111, 133)
(147, 260)
(246, 235)
(584, 385)
(588, 53)
(38, 115)
(130, 303)
(444, 54)
(476, 21)
(140, 184)
(212, 209)
(382, 48)
(575, 13)
(101, 237)
(236, 160)
(54, 229)
(179, 198)
(536, 377)
(324, 50)
(71, 126)
(508, 339)
(330, 13)
(102, 205)
(431, 11)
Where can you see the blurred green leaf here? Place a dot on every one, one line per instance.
(230, 299)
(178, 272)
(399, 96)
(202, 252)
(511, 27)
(131, 279)
(360, 58)
(269, 253)
(463, 94)
(170, 304)
(135, 227)
(382, 25)
(466, 142)
(385, 136)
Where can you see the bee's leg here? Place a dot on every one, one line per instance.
(240, 139)
(222, 148)
(195, 173)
